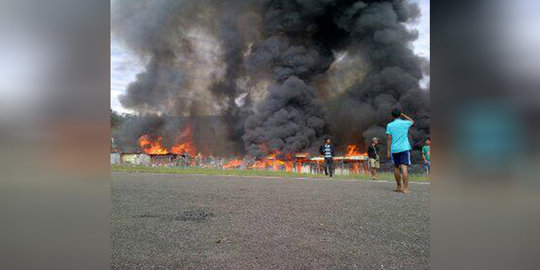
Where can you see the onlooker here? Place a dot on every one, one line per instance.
(327, 150)
(373, 155)
(399, 148)
(426, 154)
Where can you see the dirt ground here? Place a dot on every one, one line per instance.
(223, 222)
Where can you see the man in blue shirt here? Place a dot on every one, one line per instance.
(399, 148)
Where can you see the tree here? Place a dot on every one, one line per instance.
(116, 119)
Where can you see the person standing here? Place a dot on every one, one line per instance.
(399, 148)
(373, 155)
(426, 154)
(327, 150)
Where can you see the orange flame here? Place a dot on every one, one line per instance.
(300, 159)
(271, 161)
(288, 166)
(150, 146)
(355, 168)
(235, 163)
(353, 151)
(154, 146)
(184, 143)
(259, 164)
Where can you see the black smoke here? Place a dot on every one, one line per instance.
(279, 74)
(392, 80)
(288, 121)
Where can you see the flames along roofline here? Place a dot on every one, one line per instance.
(339, 158)
(298, 157)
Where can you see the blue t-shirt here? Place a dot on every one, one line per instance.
(399, 130)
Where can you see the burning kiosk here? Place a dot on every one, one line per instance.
(303, 163)
(353, 162)
(183, 153)
(342, 165)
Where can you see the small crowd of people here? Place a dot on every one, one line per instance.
(398, 151)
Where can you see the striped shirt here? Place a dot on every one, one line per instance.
(327, 151)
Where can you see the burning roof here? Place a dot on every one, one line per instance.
(183, 144)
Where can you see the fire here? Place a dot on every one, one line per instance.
(288, 166)
(355, 168)
(271, 161)
(233, 164)
(154, 146)
(275, 160)
(353, 151)
(300, 159)
(183, 148)
(259, 164)
(150, 146)
(184, 143)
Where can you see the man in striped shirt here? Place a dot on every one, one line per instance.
(327, 150)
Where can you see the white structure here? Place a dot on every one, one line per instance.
(115, 158)
(135, 158)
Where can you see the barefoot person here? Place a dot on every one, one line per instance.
(426, 153)
(373, 155)
(399, 148)
(327, 150)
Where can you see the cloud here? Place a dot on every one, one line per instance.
(124, 67)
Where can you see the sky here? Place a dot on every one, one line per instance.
(124, 68)
(125, 65)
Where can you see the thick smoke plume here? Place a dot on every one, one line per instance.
(277, 75)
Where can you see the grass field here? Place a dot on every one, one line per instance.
(216, 171)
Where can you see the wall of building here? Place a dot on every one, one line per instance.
(115, 158)
(135, 159)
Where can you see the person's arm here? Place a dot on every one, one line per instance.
(424, 157)
(407, 117)
(388, 145)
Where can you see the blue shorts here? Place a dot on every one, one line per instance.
(401, 158)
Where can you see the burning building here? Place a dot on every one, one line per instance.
(265, 80)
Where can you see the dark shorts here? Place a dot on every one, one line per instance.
(401, 158)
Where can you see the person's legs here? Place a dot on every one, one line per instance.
(372, 169)
(331, 167)
(405, 172)
(325, 167)
(328, 167)
(397, 177)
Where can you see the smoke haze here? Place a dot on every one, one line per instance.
(279, 75)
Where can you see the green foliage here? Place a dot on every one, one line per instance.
(116, 119)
